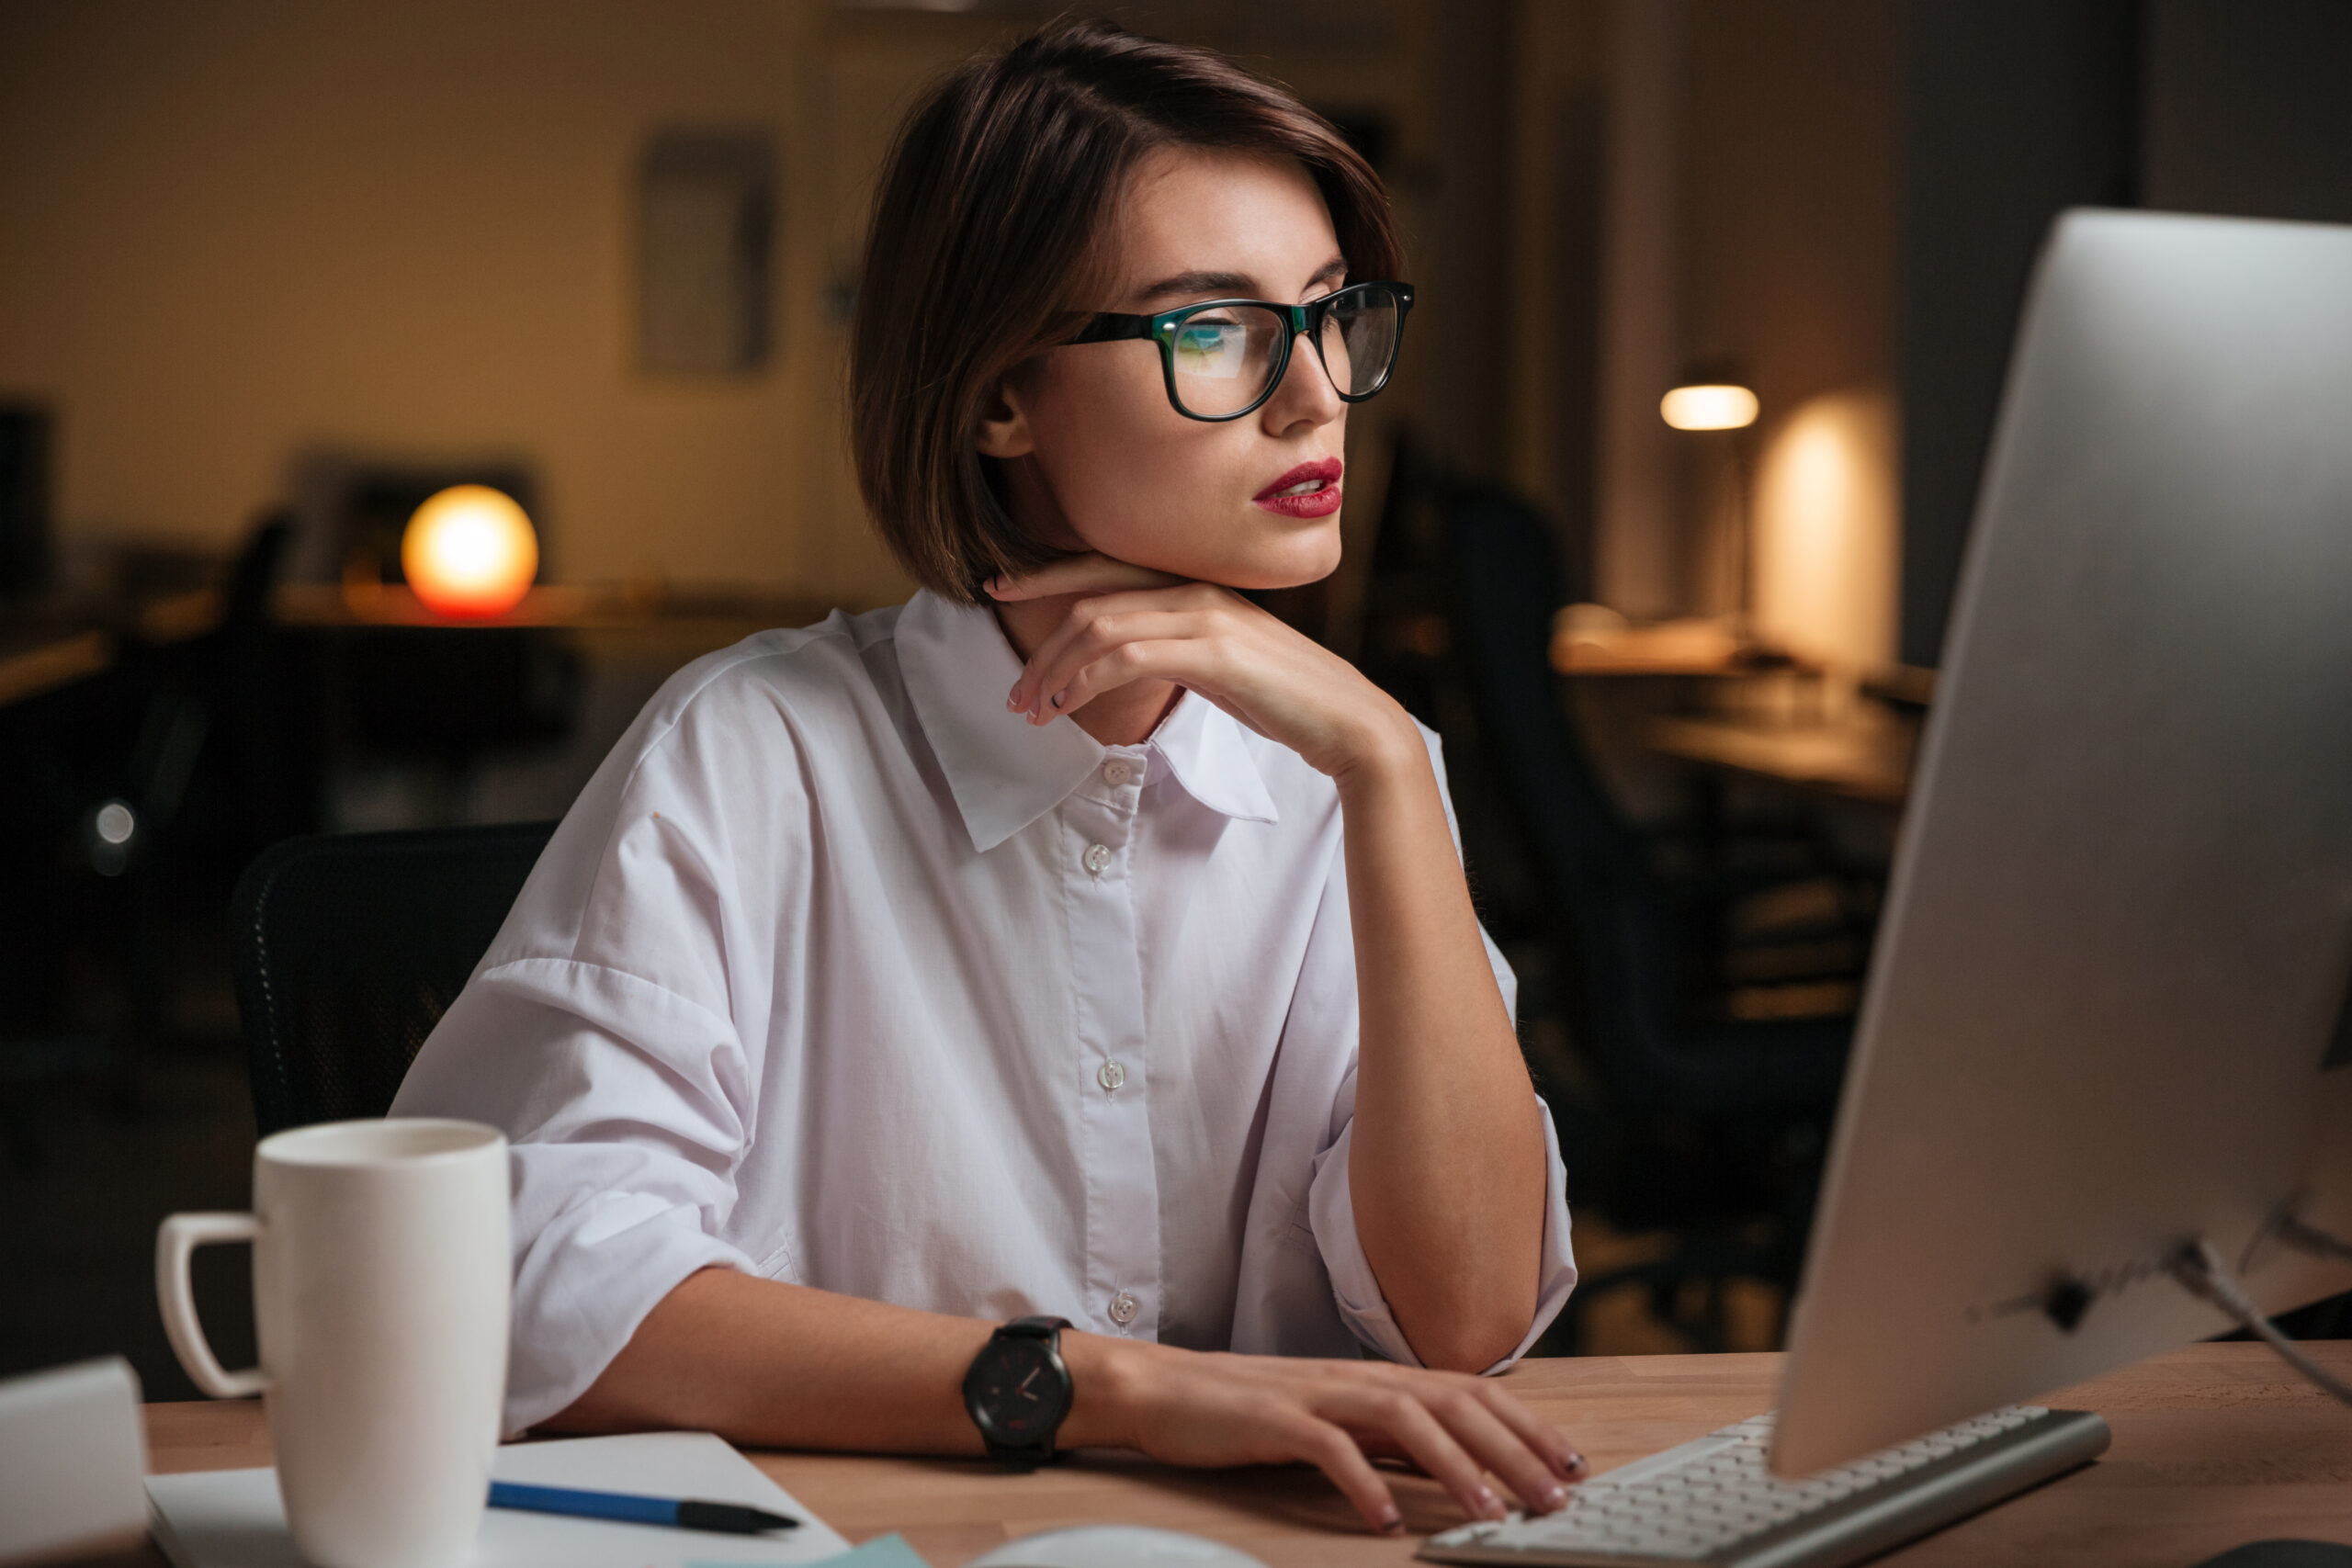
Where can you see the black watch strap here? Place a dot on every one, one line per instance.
(1039, 1449)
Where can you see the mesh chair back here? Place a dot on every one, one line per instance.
(349, 947)
(1507, 584)
(1626, 943)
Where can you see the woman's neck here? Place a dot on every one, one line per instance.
(1124, 717)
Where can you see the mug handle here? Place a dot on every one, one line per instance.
(180, 1236)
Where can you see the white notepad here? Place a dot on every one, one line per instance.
(233, 1518)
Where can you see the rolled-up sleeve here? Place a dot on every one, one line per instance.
(621, 1104)
(1331, 1216)
(605, 1034)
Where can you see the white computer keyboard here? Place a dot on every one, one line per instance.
(1713, 1501)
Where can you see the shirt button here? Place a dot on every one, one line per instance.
(1110, 1075)
(1123, 1309)
(1096, 857)
(1116, 771)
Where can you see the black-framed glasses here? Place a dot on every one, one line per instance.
(1223, 358)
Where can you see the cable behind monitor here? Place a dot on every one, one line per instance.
(2309, 1238)
(2202, 1273)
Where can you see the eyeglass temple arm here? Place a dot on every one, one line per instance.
(1110, 326)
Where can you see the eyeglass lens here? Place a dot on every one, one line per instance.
(1225, 357)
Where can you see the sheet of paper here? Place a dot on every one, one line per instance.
(882, 1552)
(233, 1518)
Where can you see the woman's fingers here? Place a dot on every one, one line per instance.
(1337, 1455)
(1178, 654)
(1088, 574)
(1171, 660)
(1525, 1470)
(1557, 1452)
(1097, 627)
(1340, 1416)
(1457, 1430)
(1400, 1416)
(1090, 616)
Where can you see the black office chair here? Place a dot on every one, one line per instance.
(97, 850)
(1709, 1129)
(348, 948)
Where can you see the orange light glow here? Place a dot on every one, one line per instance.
(470, 553)
(1828, 527)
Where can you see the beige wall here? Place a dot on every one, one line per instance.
(234, 230)
(1751, 217)
(1794, 120)
(1560, 64)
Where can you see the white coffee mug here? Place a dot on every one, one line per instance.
(381, 1289)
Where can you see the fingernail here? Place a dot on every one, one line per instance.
(1391, 1521)
(1059, 696)
(1554, 1499)
(1575, 1461)
(1489, 1505)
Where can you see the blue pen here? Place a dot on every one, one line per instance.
(734, 1518)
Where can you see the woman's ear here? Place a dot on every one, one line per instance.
(1004, 424)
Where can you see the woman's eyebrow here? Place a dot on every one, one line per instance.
(1197, 283)
(1232, 283)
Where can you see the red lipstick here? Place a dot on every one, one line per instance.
(1311, 490)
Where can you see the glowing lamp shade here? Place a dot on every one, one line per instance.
(1709, 406)
(470, 552)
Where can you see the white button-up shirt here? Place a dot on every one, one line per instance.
(837, 973)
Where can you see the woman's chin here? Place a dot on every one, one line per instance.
(1286, 563)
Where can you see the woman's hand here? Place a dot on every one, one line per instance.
(1197, 1408)
(1129, 623)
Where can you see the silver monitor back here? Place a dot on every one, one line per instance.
(2108, 1010)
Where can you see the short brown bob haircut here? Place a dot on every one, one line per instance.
(985, 235)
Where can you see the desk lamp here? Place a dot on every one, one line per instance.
(1708, 399)
(470, 552)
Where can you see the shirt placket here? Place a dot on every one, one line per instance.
(1112, 1064)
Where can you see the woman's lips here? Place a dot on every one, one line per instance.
(1311, 490)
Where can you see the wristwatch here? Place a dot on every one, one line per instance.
(1019, 1389)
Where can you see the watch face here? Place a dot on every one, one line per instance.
(1016, 1393)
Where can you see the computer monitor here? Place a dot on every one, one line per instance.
(2108, 1013)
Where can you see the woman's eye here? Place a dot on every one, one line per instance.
(1205, 341)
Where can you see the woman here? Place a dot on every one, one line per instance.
(1075, 939)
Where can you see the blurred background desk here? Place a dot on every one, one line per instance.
(424, 721)
(2215, 1445)
(1853, 745)
(35, 659)
(716, 618)
(1866, 757)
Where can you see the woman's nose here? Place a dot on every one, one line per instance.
(1306, 391)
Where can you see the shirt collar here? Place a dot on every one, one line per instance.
(1006, 772)
(1214, 759)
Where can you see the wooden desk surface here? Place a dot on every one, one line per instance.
(32, 663)
(2215, 1445)
(565, 606)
